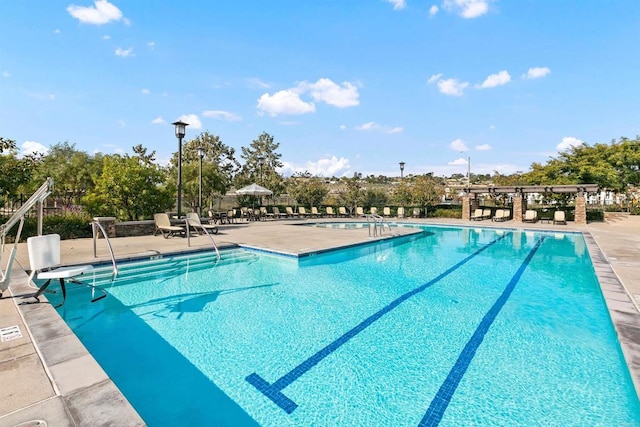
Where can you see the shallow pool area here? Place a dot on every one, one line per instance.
(462, 326)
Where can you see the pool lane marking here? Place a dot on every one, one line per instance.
(440, 402)
(274, 391)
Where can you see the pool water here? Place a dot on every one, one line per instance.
(457, 327)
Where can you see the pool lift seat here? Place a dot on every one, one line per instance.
(44, 259)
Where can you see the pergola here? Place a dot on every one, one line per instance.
(471, 194)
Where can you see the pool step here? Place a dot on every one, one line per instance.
(131, 272)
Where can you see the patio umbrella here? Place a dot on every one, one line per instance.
(254, 190)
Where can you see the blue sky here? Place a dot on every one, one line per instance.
(343, 85)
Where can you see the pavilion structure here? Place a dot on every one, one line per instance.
(470, 199)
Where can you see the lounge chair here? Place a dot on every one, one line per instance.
(416, 213)
(530, 216)
(302, 211)
(477, 215)
(386, 212)
(329, 211)
(486, 213)
(264, 214)
(373, 210)
(290, 212)
(400, 213)
(500, 215)
(277, 213)
(163, 225)
(342, 211)
(559, 217)
(193, 220)
(359, 211)
(314, 212)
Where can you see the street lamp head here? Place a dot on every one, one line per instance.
(200, 152)
(402, 166)
(180, 128)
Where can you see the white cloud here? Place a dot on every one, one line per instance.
(103, 13)
(499, 79)
(284, 102)
(222, 115)
(458, 162)
(124, 52)
(158, 121)
(325, 167)
(257, 83)
(458, 145)
(32, 147)
(536, 73)
(151, 45)
(568, 142)
(343, 127)
(452, 87)
(57, 31)
(341, 96)
(433, 10)
(467, 8)
(6, 74)
(373, 126)
(106, 37)
(192, 119)
(492, 127)
(145, 91)
(434, 78)
(484, 147)
(398, 4)
(289, 101)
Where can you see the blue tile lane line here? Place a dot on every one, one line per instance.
(441, 401)
(274, 391)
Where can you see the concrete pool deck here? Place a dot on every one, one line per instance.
(47, 375)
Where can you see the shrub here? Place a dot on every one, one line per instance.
(67, 225)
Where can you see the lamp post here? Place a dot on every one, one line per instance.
(201, 155)
(401, 169)
(469, 172)
(180, 132)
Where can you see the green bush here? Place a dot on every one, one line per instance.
(446, 213)
(67, 225)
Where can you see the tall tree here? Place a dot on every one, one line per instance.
(261, 163)
(71, 170)
(219, 165)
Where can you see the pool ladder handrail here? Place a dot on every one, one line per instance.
(95, 225)
(378, 222)
(197, 225)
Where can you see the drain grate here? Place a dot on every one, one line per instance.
(10, 333)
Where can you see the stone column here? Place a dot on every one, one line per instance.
(518, 207)
(580, 217)
(466, 208)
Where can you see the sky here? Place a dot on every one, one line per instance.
(343, 86)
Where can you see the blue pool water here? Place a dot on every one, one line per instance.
(455, 327)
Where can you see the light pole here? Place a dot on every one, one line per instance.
(401, 169)
(180, 132)
(201, 155)
(469, 172)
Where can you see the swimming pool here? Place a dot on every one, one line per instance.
(459, 327)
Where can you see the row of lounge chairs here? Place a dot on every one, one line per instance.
(530, 215)
(314, 212)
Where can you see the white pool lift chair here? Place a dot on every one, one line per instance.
(44, 259)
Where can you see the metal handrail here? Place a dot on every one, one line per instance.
(199, 225)
(95, 224)
(378, 221)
